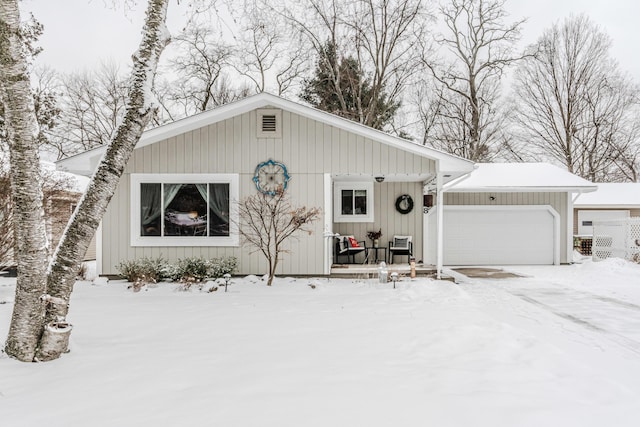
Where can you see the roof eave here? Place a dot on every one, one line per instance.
(516, 189)
(606, 206)
(447, 161)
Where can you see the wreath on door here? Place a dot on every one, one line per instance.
(404, 204)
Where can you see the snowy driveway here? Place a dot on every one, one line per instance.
(612, 318)
(596, 317)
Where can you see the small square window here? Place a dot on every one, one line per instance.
(353, 202)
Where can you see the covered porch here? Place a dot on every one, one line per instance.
(397, 206)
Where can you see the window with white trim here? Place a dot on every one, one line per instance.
(353, 201)
(184, 209)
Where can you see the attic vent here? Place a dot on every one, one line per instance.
(269, 123)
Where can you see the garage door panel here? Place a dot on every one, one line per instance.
(498, 236)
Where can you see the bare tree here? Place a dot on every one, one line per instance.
(265, 53)
(202, 78)
(269, 221)
(42, 290)
(380, 36)
(91, 105)
(573, 105)
(481, 44)
(628, 162)
(46, 98)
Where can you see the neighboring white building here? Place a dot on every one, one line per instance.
(610, 201)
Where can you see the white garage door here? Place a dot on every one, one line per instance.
(498, 236)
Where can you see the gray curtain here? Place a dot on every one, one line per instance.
(219, 202)
(218, 199)
(149, 202)
(202, 189)
(170, 192)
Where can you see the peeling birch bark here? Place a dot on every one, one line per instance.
(140, 109)
(34, 280)
(30, 237)
(54, 341)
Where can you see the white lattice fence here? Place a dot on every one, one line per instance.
(618, 238)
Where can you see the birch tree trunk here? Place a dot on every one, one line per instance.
(58, 284)
(139, 111)
(30, 249)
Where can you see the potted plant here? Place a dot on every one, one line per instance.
(374, 236)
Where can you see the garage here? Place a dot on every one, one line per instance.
(501, 235)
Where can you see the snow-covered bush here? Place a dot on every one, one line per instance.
(186, 270)
(197, 269)
(221, 266)
(144, 269)
(193, 269)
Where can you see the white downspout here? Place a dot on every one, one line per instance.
(439, 224)
(569, 237)
(99, 250)
(328, 240)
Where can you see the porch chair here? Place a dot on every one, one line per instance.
(401, 245)
(349, 246)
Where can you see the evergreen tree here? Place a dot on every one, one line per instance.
(340, 86)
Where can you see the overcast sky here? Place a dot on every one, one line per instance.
(80, 33)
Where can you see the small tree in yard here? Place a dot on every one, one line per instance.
(268, 221)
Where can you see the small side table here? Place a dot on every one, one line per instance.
(376, 250)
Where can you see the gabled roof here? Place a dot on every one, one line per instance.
(521, 177)
(611, 195)
(86, 162)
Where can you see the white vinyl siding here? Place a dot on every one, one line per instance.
(586, 218)
(308, 148)
(388, 219)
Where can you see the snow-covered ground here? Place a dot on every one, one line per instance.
(560, 347)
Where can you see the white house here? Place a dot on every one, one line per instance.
(610, 201)
(177, 197)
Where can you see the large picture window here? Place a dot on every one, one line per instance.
(181, 210)
(353, 202)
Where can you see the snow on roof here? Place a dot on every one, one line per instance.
(79, 182)
(612, 194)
(506, 177)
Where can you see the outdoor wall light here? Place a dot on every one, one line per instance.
(379, 178)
